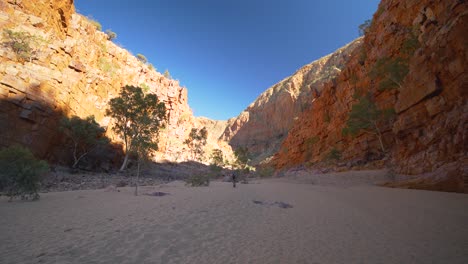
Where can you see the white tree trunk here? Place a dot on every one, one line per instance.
(137, 177)
(124, 164)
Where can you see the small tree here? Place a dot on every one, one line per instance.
(21, 44)
(391, 71)
(141, 58)
(217, 158)
(143, 145)
(167, 74)
(217, 161)
(20, 172)
(365, 117)
(85, 134)
(242, 158)
(196, 141)
(138, 118)
(333, 155)
(95, 23)
(364, 27)
(111, 35)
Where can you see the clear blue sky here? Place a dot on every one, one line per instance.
(227, 52)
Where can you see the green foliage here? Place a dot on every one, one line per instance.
(364, 27)
(309, 144)
(391, 72)
(21, 44)
(141, 58)
(196, 141)
(326, 117)
(107, 66)
(362, 55)
(311, 141)
(411, 44)
(167, 74)
(138, 118)
(111, 35)
(333, 155)
(151, 67)
(217, 158)
(183, 118)
(198, 180)
(242, 158)
(364, 114)
(20, 172)
(365, 117)
(353, 78)
(85, 136)
(104, 48)
(145, 87)
(95, 23)
(265, 171)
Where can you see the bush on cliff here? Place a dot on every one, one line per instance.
(141, 58)
(21, 43)
(364, 27)
(20, 172)
(111, 35)
(366, 117)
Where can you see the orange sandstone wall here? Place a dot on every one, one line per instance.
(74, 70)
(430, 131)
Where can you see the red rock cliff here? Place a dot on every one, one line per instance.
(265, 123)
(430, 131)
(73, 69)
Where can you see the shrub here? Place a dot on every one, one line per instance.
(198, 180)
(196, 141)
(20, 43)
(141, 58)
(20, 172)
(309, 144)
(333, 155)
(85, 136)
(217, 158)
(266, 171)
(411, 44)
(242, 156)
(391, 71)
(366, 117)
(111, 34)
(167, 74)
(95, 23)
(145, 87)
(364, 27)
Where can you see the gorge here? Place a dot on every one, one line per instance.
(297, 123)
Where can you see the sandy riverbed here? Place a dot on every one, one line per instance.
(220, 224)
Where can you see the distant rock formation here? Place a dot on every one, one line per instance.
(265, 123)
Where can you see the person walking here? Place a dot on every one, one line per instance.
(234, 178)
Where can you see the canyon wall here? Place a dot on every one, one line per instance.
(73, 69)
(429, 133)
(264, 124)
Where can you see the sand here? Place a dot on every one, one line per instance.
(219, 224)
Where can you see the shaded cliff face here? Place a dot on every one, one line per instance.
(265, 123)
(73, 70)
(429, 132)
